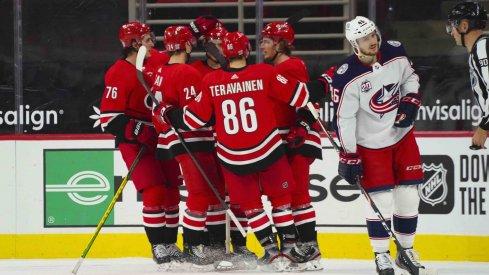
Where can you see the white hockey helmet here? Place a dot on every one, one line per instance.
(358, 28)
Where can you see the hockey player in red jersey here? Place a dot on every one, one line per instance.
(249, 145)
(177, 83)
(210, 63)
(375, 92)
(300, 132)
(126, 113)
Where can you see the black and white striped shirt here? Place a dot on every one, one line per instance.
(479, 77)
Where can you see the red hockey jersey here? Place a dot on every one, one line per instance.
(178, 84)
(294, 69)
(123, 95)
(202, 67)
(247, 135)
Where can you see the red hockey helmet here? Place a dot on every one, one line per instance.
(176, 37)
(217, 33)
(132, 31)
(279, 30)
(235, 44)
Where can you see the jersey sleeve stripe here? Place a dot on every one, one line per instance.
(191, 120)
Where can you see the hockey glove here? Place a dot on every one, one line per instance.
(160, 115)
(350, 167)
(142, 133)
(327, 79)
(298, 133)
(203, 24)
(408, 109)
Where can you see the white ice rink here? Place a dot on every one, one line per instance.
(143, 266)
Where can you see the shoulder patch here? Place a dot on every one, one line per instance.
(394, 43)
(342, 69)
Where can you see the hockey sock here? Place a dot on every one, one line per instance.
(193, 227)
(379, 237)
(406, 204)
(216, 225)
(259, 223)
(284, 223)
(236, 238)
(154, 224)
(171, 229)
(305, 222)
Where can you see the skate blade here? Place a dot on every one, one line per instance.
(272, 267)
(294, 267)
(314, 265)
(422, 271)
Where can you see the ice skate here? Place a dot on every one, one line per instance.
(413, 256)
(160, 255)
(249, 258)
(384, 264)
(176, 262)
(313, 255)
(224, 261)
(195, 259)
(272, 260)
(294, 258)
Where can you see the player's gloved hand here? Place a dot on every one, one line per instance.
(141, 132)
(160, 115)
(327, 79)
(298, 133)
(350, 167)
(408, 109)
(203, 24)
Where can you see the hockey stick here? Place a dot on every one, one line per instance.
(109, 209)
(212, 49)
(413, 269)
(139, 70)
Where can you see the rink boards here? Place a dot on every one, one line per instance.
(56, 188)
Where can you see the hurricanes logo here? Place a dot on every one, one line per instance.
(434, 190)
(385, 99)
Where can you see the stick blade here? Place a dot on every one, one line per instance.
(140, 57)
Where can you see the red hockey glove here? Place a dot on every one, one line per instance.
(160, 115)
(203, 24)
(298, 133)
(350, 167)
(408, 109)
(141, 132)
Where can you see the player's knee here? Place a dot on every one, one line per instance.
(406, 200)
(383, 201)
(154, 196)
(172, 198)
(198, 202)
(251, 204)
(280, 201)
(299, 200)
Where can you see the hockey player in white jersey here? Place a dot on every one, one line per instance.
(466, 22)
(375, 92)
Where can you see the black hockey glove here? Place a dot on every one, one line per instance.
(408, 109)
(350, 167)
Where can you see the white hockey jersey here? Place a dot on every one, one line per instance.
(367, 98)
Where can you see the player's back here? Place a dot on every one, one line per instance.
(178, 83)
(124, 94)
(246, 128)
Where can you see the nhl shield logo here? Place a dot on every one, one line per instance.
(435, 189)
